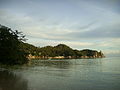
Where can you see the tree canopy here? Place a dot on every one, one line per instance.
(10, 50)
(60, 50)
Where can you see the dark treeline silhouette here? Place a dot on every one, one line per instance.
(10, 50)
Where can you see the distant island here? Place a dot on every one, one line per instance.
(14, 50)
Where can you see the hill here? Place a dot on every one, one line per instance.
(60, 51)
(14, 50)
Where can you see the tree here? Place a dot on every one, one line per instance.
(10, 50)
(64, 50)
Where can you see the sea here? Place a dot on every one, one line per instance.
(64, 74)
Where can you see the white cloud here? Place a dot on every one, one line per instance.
(79, 24)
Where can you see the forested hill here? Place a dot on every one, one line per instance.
(59, 51)
(14, 51)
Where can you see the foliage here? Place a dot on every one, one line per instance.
(10, 51)
(63, 50)
(59, 50)
(29, 49)
(14, 51)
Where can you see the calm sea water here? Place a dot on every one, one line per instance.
(72, 74)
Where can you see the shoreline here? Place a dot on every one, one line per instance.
(62, 57)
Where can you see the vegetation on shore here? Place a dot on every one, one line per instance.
(60, 51)
(10, 50)
(13, 49)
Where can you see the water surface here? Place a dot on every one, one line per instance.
(68, 74)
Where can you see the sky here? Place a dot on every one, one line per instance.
(80, 24)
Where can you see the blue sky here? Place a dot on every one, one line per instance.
(93, 24)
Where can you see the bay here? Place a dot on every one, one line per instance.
(65, 74)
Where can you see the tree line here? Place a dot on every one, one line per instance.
(14, 50)
(10, 49)
(60, 50)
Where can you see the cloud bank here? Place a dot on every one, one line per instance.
(78, 23)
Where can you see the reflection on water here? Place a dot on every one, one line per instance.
(67, 63)
(11, 81)
(63, 64)
(72, 74)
